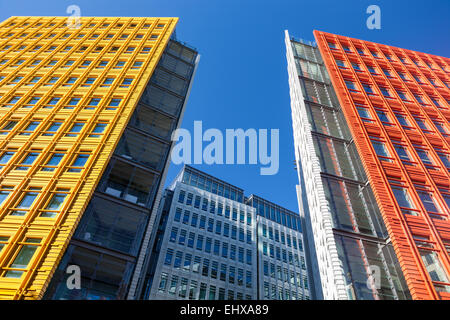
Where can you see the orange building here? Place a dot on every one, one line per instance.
(396, 103)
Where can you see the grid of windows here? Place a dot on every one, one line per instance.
(63, 130)
(343, 197)
(411, 99)
(211, 240)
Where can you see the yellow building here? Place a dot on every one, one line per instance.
(66, 96)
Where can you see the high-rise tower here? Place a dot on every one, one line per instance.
(371, 130)
(86, 115)
(213, 243)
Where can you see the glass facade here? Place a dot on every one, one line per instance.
(221, 249)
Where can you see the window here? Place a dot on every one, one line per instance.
(403, 76)
(54, 205)
(136, 65)
(421, 123)
(24, 204)
(76, 128)
(403, 199)
(423, 155)
(12, 101)
(186, 217)
(3, 241)
(52, 102)
(4, 193)
(107, 82)
(402, 120)
(340, 63)
(5, 157)
(368, 88)
(442, 155)
(93, 103)
(356, 66)
(126, 82)
(98, 130)
(402, 153)
(169, 257)
(119, 64)
(433, 265)
(28, 161)
(30, 128)
(8, 127)
(73, 102)
(53, 162)
(427, 200)
(79, 162)
(85, 63)
(402, 95)
(52, 129)
(88, 82)
(70, 81)
(113, 104)
(380, 149)
(440, 126)
(102, 64)
(364, 113)
(68, 63)
(24, 255)
(332, 45)
(371, 69)
(33, 101)
(163, 282)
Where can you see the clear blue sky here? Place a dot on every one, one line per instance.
(242, 80)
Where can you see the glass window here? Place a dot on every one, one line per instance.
(79, 163)
(30, 128)
(28, 161)
(76, 128)
(433, 265)
(380, 149)
(23, 258)
(368, 88)
(402, 196)
(53, 162)
(385, 92)
(54, 205)
(52, 129)
(8, 127)
(5, 157)
(427, 201)
(98, 130)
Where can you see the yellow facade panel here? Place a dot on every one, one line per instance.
(66, 96)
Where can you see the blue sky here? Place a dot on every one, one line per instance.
(242, 80)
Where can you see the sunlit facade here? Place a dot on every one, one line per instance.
(76, 106)
(371, 129)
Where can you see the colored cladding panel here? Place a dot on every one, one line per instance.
(66, 96)
(396, 103)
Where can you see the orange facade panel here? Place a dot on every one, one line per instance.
(396, 103)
